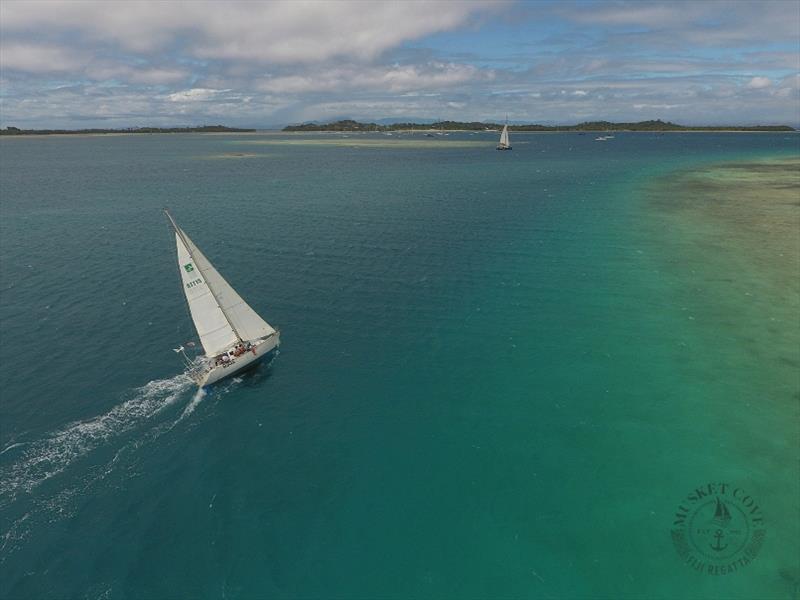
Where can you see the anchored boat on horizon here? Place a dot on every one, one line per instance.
(233, 335)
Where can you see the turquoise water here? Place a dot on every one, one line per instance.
(489, 383)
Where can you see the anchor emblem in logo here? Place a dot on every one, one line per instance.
(718, 535)
(722, 518)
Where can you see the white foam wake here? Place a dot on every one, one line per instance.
(196, 399)
(49, 456)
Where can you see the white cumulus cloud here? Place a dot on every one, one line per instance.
(757, 83)
(195, 95)
(281, 31)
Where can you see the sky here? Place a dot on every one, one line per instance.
(77, 64)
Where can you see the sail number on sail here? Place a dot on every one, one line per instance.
(191, 284)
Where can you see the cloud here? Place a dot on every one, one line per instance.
(255, 63)
(44, 59)
(157, 76)
(702, 23)
(655, 106)
(40, 58)
(396, 79)
(147, 75)
(634, 13)
(282, 32)
(195, 95)
(757, 83)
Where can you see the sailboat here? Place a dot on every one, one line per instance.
(233, 335)
(722, 515)
(504, 143)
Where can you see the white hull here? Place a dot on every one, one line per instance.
(213, 373)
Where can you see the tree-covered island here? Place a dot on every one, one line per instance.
(201, 129)
(657, 125)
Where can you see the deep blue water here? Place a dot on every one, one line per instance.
(485, 388)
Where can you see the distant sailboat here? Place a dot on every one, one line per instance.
(233, 335)
(603, 138)
(504, 143)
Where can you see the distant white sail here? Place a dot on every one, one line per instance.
(504, 136)
(220, 315)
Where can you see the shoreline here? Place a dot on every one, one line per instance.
(404, 131)
(131, 133)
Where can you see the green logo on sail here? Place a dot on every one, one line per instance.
(189, 268)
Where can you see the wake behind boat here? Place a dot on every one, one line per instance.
(233, 335)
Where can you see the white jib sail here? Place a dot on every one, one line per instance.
(219, 313)
(504, 136)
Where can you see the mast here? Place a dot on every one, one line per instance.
(179, 233)
(504, 144)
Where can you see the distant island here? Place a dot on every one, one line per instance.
(658, 125)
(202, 129)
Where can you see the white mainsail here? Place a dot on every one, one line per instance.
(213, 327)
(504, 137)
(220, 315)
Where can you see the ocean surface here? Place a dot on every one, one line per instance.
(500, 374)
